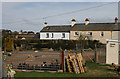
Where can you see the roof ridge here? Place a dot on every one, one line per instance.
(59, 25)
(96, 23)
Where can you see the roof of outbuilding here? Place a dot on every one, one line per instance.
(83, 27)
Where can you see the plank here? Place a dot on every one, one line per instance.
(74, 63)
(68, 65)
(80, 62)
(88, 56)
(76, 66)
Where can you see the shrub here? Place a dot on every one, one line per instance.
(9, 54)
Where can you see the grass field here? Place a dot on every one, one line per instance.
(93, 70)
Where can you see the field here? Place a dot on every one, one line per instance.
(93, 70)
(32, 58)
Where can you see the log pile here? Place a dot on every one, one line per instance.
(75, 64)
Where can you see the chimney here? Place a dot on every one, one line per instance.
(116, 20)
(45, 24)
(86, 21)
(73, 22)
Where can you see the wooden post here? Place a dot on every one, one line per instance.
(95, 55)
(62, 60)
(97, 61)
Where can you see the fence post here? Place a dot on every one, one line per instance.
(62, 59)
(95, 54)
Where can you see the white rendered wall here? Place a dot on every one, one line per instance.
(56, 35)
(112, 53)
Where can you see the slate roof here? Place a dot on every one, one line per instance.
(83, 27)
(96, 27)
(57, 28)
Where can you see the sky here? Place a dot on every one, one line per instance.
(28, 16)
(59, 0)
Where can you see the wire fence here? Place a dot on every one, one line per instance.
(101, 54)
(98, 55)
(50, 67)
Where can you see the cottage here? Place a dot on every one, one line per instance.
(96, 31)
(55, 32)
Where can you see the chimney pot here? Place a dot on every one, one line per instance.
(116, 20)
(45, 24)
(73, 19)
(73, 22)
(86, 21)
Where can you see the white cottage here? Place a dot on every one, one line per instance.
(97, 31)
(113, 52)
(55, 32)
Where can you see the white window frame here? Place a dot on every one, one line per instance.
(47, 35)
(90, 33)
(101, 34)
(75, 34)
(52, 35)
(63, 35)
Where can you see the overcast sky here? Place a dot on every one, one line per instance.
(28, 15)
(59, 0)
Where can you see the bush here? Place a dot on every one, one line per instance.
(9, 54)
(20, 49)
(57, 44)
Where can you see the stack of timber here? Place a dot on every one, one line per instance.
(75, 64)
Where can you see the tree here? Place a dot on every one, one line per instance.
(82, 41)
(8, 44)
(85, 41)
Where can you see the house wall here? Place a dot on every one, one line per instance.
(96, 35)
(116, 35)
(112, 53)
(56, 35)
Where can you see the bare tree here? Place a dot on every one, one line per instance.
(86, 41)
(82, 41)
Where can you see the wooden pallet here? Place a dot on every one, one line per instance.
(75, 66)
(75, 63)
(80, 62)
(68, 65)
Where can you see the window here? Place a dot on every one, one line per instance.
(47, 28)
(112, 45)
(102, 33)
(52, 35)
(90, 33)
(47, 35)
(63, 35)
(76, 33)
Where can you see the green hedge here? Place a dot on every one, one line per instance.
(57, 44)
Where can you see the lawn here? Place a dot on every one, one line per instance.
(93, 70)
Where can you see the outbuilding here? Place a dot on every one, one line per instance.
(113, 52)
